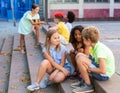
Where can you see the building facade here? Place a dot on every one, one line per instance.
(83, 9)
(86, 9)
(15, 8)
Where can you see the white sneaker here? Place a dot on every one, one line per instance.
(33, 87)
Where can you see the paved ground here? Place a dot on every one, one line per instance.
(110, 34)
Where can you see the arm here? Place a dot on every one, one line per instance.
(54, 28)
(102, 67)
(37, 22)
(63, 59)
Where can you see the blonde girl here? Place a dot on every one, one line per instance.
(55, 63)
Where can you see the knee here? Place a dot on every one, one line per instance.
(37, 28)
(59, 78)
(79, 57)
(44, 63)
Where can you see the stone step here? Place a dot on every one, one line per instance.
(19, 73)
(5, 61)
(110, 86)
(35, 56)
(1, 43)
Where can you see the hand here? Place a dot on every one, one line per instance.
(65, 71)
(72, 51)
(87, 67)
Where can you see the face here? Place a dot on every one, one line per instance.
(77, 35)
(56, 20)
(86, 42)
(55, 39)
(65, 18)
(36, 10)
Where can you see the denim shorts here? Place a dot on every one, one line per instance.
(100, 77)
(69, 68)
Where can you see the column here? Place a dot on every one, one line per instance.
(81, 11)
(111, 8)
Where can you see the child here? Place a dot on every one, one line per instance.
(70, 17)
(61, 28)
(28, 22)
(101, 66)
(55, 63)
(77, 43)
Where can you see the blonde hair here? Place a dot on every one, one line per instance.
(47, 42)
(92, 33)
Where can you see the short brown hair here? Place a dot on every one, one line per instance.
(34, 6)
(92, 33)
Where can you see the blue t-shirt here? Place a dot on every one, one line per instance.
(57, 56)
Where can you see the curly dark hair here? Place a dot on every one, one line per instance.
(70, 16)
(72, 38)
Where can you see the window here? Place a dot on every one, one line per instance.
(71, 1)
(116, 1)
(96, 1)
(63, 1)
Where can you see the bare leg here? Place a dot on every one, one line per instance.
(22, 43)
(82, 62)
(37, 28)
(44, 67)
(59, 77)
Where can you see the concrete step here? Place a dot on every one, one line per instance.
(35, 56)
(110, 86)
(19, 73)
(1, 43)
(5, 61)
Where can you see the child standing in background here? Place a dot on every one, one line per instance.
(29, 21)
(69, 18)
(55, 62)
(102, 64)
(61, 28)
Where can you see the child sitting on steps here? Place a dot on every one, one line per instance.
(55, 62)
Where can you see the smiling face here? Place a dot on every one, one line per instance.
(55, 39)
(77, 35)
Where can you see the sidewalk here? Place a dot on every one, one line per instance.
(108, 29)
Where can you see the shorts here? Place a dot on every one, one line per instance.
(100, 77)
(69, 68)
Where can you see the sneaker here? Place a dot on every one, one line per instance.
(77, 84)
(33, 87)
(43, 83)
(85, 88)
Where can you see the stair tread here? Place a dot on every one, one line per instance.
(5, 64)
(19, 77)
(1, 43)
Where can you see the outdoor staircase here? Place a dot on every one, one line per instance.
(18, 70)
